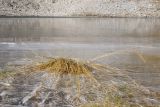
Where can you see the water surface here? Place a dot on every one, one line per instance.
(85, 38)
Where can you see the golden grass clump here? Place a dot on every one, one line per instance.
(64, 66)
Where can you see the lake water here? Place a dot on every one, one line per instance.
(86, 38)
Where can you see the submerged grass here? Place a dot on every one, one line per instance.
(69, 66)
(76, 67)
(5, 74)
(107, 103)
(111, 100)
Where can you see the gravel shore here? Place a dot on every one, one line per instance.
(103, 8)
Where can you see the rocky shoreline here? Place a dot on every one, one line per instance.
(69, 8)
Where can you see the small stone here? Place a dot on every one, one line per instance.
(1, 98)
(151, 102)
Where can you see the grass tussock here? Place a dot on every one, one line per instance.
(67, 66)
(64, 66)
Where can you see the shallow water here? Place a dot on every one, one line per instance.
(85, 38)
